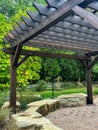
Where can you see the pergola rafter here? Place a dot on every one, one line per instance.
(70, 25)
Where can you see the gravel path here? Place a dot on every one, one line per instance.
(76, 118)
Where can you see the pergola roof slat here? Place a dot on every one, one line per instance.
(77, 20)
(43, 10)
(19, 30)
(6, 41)
(17, 35)
(72, 33)
(28, 21)
(35, 16)
(66, 42)
(55, 3)
(23, 26)
(65, 38)
(78, 28)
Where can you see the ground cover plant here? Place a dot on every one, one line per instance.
(4, 114)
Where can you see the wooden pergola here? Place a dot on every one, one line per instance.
(70, 25)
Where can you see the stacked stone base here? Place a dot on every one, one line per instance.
(33, 118)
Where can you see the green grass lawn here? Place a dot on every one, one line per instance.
(48, 93)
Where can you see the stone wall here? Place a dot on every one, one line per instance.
(33, 118)
(72, 100)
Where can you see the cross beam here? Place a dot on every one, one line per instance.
(47, 54)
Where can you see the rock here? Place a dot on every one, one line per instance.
(72, 100)
(43, 110)
(6, 106)
(96, 101)
(52, 105)
(47, 104)
(32, 118)
(50, 127)
(31, 123)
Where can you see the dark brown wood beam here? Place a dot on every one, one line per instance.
(83, 62)
(17, 55)
(89, 84)
(47, 54)
(58, 47)
(20, 62)
(94, 53)
(12, 86)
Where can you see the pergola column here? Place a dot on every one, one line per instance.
(89, 85)
(12, 86)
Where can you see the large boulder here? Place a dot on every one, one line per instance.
(50, 127)
(72, 100)
(45, 106)
(28, 122)
(6, 105)
(96, 101)
(22, 122)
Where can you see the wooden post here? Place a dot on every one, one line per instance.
(89, 85)
(12, 86)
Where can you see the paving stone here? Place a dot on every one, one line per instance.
(76, 118)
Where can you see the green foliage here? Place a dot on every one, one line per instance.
(7, 8)
(28, 98)
(28, 72)
(50, 69)
(10, 7)
(41, 86)
(4, 62)
(72, 85)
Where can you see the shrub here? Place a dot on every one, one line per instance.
(69, 85)
(26, 99)
(41, 86)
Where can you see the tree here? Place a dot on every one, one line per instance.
(7, 8)
(27, 72)
(4, 63)
(50, 69)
